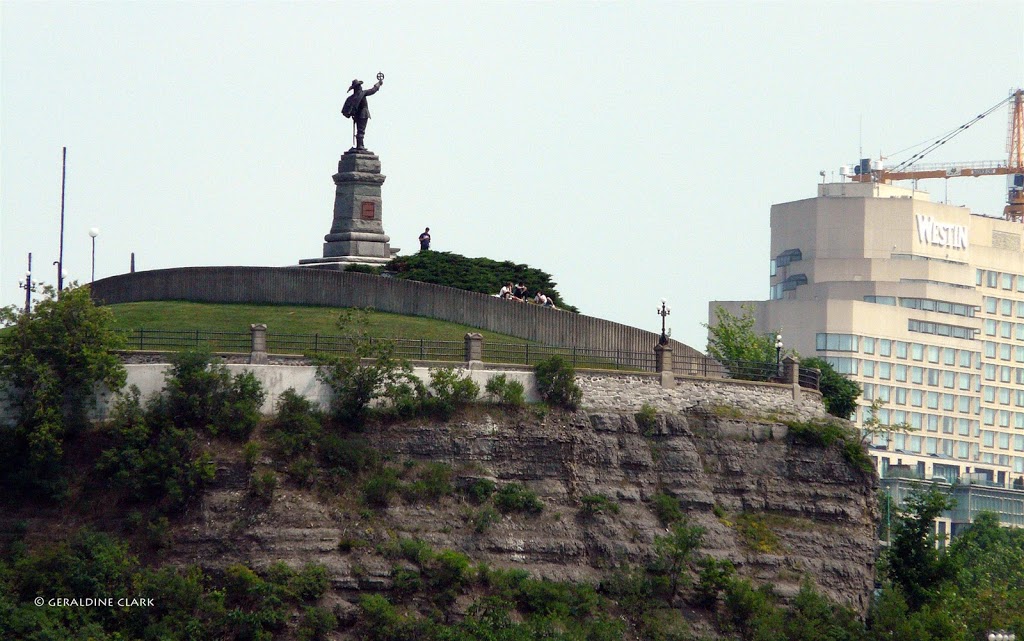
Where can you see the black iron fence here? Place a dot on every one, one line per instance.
(178, 340)
(523, 354)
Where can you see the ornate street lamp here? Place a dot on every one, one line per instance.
(93, 233)
(663, 311)
(28, 285)
(778, 353)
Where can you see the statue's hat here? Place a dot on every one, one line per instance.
(356, 84)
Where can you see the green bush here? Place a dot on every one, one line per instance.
(297, 426)
(434, 480)
(514, 497)
(202, 395)
(714, 577)
(449, 392)
(556, 383)
(310, 583)
(667, 508)
(506, 392)
(379, 489)
(150, 458)
(838, 392)
(316, 624)
(484, 519)
(343, 457)
(262, 486)
(594, 504)
(647, 419)
(480, 490)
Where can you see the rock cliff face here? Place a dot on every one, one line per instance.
(821, 513)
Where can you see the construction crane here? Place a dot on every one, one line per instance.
(874, 171)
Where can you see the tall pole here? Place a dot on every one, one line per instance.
(93, 233)
(60, 255)
(28, 285)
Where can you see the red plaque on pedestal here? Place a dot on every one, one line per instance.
(368, 210)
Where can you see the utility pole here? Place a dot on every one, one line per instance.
(60, 255)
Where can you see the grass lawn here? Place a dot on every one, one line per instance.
(284, 319)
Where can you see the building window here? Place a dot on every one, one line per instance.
(1006, 307)
(990, 327)
(885, 347)
(990, 349)
(869, 345)
(884, 371)
(916, 375)
(1007, 281)
(948, 379)
(901, 396)
(901, 349)
(992, 279)
(1005, 351)
(868, 369)
(917, 351)
(837, 342)
(881, 300)
(990, 304)
(916, 398)
(964, 404)
(988, 393)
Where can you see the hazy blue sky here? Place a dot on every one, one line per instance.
(631, 149)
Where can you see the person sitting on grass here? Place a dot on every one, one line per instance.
(519, 292)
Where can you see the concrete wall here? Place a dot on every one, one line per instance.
(601, 390)
(302, 286)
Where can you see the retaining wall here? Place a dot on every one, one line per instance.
(304, 286)
(601, 390)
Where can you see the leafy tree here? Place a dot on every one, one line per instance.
(673, 553)
(733, 342)
(371, 371)
(481, 275)
(838, 392)
(912, 562)
(51, 361)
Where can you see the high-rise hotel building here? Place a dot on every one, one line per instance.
(921, 303)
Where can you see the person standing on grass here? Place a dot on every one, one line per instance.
(425, 240)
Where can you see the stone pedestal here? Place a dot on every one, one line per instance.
(357, 233)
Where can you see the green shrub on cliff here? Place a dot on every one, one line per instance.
(556, 383)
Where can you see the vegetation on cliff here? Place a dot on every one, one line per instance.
(131, 481)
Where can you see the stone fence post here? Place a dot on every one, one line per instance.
(663, 364)
(258, 351)
(791, 374)
(474, 348)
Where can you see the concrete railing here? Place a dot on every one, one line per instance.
(304, 286)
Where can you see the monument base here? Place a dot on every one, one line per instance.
(357, 233)
(341, 263)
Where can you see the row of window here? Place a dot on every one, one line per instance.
(902, 349)
(1003, 329)
(926, 304)
(941, 283)
(941, 329)
(1003, 351)
(1004, 306)
(999, 279)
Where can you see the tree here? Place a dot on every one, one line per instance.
(52, 358)
(481, 275)
(912, 561)
(837, 391)
(733, 342)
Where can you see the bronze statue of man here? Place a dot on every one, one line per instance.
(355, 107)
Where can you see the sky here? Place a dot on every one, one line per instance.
(632, 150)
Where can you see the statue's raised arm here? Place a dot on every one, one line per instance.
(355, 107)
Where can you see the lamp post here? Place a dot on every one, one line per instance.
(93, 233)
(778, 353)
(27, 285)
(663, 311)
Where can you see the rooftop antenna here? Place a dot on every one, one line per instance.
(860, 136)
